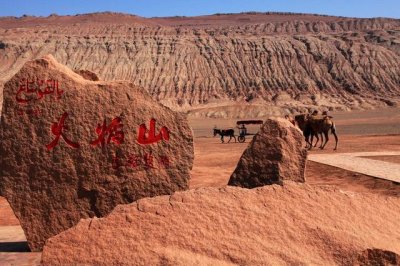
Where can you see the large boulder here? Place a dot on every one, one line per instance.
(275, 154)
(72, 148)
(296, 224)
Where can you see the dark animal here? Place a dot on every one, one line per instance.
(303, 124)
(225, 132)
(312, 125)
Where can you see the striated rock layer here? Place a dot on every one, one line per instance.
(273, 225)
(71, 148)
(275, 154)
(203, 64)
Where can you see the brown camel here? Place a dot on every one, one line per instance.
(302, 122)
(323, 124)
(312, 125)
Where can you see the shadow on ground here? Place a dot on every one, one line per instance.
(14, 246)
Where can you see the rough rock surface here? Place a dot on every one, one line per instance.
(273, 225)
(205, 64)
(86, 74)
(373, 257)
(275, 154)
(52, 185)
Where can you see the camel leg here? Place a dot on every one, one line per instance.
(322, 141)
(326, 139)
(315, 145)
(307, 139)
(333, 130)
(311, 141)
(307, 142)
(336, 139)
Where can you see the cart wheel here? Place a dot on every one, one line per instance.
(241, 139)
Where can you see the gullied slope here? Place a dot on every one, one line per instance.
(293, 61)
(272, 225)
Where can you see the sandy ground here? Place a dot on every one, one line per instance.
(214, 163)
(7, 217)
(387, 158)
(365, 131)
(359, 131)
(14, 249)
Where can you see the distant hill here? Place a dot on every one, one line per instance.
(223, 65)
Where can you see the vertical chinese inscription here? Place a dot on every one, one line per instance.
(109, 133)
(57, 128)
(149, 136)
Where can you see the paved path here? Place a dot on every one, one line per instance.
(353, 162)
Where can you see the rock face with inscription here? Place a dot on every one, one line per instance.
(72, 148)
(275, 154)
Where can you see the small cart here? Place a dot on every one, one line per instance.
(243, 130)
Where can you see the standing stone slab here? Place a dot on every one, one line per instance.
(275, 154)
(73, 148)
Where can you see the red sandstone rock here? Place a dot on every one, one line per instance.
(294, 224)
(275, 154)
(76, 152)
(372, 257)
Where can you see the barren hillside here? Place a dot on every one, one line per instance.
(237, 65)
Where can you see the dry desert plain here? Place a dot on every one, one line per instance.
(359, 131)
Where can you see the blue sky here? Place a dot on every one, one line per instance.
(151, 8)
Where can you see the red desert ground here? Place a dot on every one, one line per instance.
(111, 151)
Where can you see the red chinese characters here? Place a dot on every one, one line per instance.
(107, 133)
(149, 136)
(110, 133)
(31, 90)
(57, 130)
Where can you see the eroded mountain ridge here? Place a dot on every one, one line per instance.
(237, 65)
